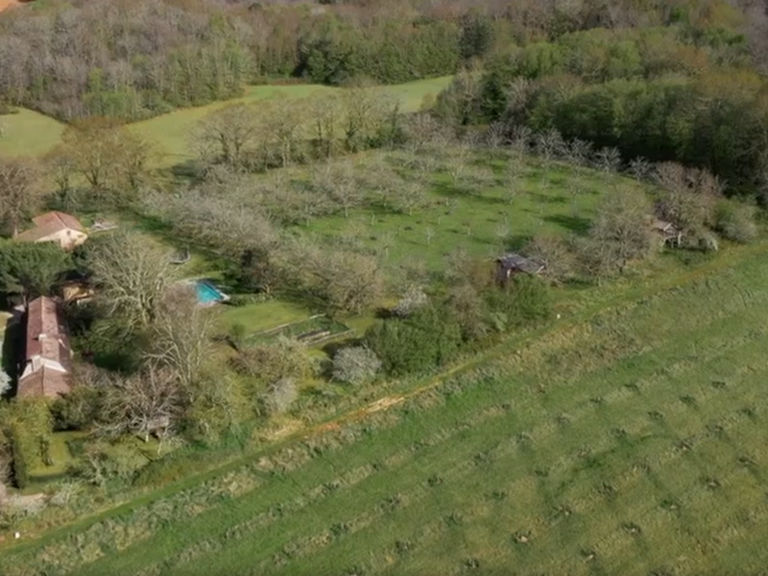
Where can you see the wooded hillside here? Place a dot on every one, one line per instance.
(141, 58)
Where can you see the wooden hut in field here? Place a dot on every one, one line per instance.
(510, 264)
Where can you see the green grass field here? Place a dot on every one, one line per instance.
(28, 133)
(32, 134)
(626, 438)
(262, 315)
(552, 199)
(170, 132)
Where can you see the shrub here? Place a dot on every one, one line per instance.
(237, 334)
(284, 358)
(19, 460)
(413, 299)
(470, 310)
(427, 338)
(525, 300)
(556, 255)
(279, 396)
(355, 365)
(736, 221)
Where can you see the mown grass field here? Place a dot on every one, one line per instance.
(29, 133)
(626, 438)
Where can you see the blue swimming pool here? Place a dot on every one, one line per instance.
(207, 293)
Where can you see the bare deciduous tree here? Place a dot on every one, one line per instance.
(105, 154)
(554, 253)
(273, 361)
(61, 169)
(608, 160)
(180, 337)
(619, 234)
(132, 276)
(326, 112)
(337, 181)
(457, 164)
(343, 280)
(407, 197)
(227, 219)
(280, 121)
(689, 197)
(640, 168)
(521, 139)
(145, 403)
(549, 145)
(227, 134)
(364, 114)
(424, 131)
(20, 191)
(579, 152)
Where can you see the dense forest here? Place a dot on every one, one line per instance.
(136, 59)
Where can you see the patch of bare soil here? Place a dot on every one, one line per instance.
(7, 4)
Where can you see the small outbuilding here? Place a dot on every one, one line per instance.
(59, 227)
(76, 291)
(511, 264)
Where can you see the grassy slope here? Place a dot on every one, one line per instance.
(31, 134)
(625, 442)
(28, 133)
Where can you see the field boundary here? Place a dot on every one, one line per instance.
(631, 294)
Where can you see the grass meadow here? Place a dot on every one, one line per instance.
(513, 201)
(626, 438)
(170, 132)
(29, 133)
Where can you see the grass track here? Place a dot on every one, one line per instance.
(657, 369)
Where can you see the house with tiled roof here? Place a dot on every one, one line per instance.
(59, 227)
(47, 355)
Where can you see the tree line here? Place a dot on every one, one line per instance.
(662, 94)
(138, 59)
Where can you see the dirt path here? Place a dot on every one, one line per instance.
(631, 294)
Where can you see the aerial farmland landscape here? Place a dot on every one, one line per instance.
(367, 287)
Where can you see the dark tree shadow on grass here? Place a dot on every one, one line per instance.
(13, 338)
(548, 198)
(576, 224)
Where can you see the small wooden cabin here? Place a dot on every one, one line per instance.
(510, 264)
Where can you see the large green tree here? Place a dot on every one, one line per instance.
(32, 269)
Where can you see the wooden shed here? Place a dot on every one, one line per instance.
(511, 264)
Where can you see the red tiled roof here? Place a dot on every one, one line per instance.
(50, 223)
(47, 342)
(44, 382)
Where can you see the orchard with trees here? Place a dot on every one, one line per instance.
(568, 131)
